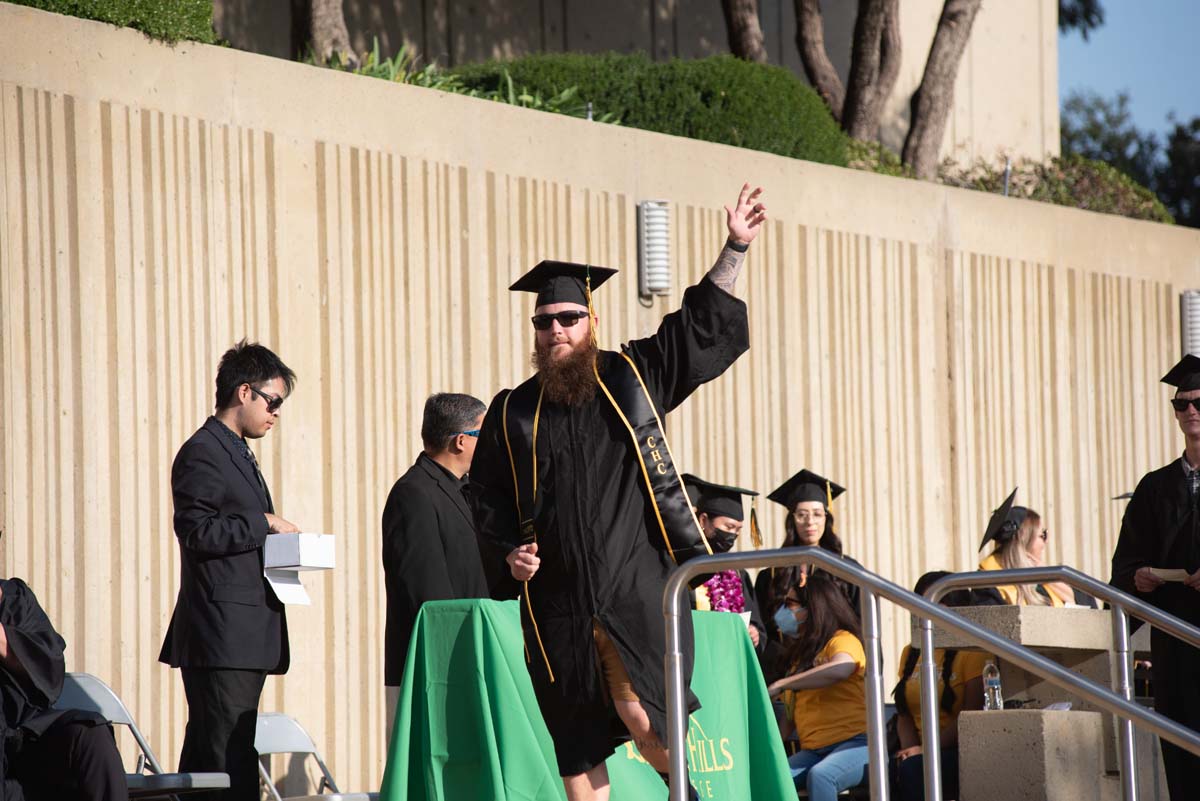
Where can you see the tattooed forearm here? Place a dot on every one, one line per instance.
(725, 272)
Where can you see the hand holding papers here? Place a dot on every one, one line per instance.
(285, 555)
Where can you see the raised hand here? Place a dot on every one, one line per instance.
(746, 218)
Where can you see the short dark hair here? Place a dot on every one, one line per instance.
(448, 414)
(250, 363)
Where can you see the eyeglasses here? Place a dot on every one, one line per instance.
(273, 401)
(566, 319)
(1181, 404)
(474, 432)
(804, 517)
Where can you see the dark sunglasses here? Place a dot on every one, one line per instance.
(1181, 404)
(273, 402)
(1045, 535)
(542, 322)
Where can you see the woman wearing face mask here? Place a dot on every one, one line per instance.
(718, 510)
(824, 694)
(807, 498)
(1020, 541)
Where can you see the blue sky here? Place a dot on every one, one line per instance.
(1150, 48)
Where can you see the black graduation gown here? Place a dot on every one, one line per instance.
(602, 554)
(26, 696)
(1161, 528)
(430, 553)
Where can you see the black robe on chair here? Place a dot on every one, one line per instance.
(47, 753)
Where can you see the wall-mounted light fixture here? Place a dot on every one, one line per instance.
(1189, 321)
(654, 248)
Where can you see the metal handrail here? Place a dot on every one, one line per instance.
(1123, 604)
(873, 587)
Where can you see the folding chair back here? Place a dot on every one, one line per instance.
(276, 733)
(89, 693)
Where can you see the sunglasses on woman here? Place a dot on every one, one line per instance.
(566, 319)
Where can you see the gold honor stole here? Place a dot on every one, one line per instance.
(625, 390)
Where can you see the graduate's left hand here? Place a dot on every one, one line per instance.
(1193, 580)
(746, 218)
(754, 635)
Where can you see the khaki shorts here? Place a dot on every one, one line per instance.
(616, 677)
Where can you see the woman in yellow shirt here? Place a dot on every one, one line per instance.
(1021, 542)
(960, 686)
(825, 692)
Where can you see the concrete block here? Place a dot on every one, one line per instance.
(1034, 626)
(1030, 755)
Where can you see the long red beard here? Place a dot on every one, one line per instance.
(570, 380)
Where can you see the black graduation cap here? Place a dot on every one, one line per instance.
(715, 499)
(1185, 376)
(805, 486)
(1005, 521)
(562, 282)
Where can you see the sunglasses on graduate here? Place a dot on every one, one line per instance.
(1181, 404)
(542, 322)
(273, 401)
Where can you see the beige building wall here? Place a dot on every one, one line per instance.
(929, 348)
(1005, 99)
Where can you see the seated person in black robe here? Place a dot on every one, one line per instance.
(49, 754)
(573, 473)
(719, 513)
(807, 497)
(1161, 531)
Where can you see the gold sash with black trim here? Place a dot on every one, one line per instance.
(625, 390)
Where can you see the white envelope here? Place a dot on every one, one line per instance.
(302, 551)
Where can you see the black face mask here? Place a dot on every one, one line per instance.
(721, 541)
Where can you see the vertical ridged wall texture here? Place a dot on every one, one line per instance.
(928, 348)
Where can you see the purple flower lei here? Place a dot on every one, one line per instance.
(725, 592)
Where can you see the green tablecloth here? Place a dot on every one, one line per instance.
(468, 728)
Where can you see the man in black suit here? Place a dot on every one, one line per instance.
(430, 551)
(228, 630)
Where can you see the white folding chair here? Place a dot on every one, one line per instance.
(88, 693)
(277, 733)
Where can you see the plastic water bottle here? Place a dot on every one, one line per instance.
(993, 698)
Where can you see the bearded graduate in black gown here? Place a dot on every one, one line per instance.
(1161, 531)
(48, 754)
(574, 476)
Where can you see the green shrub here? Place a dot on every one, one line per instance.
(875, 157)
(719, 99)
(1070, 180)
(402, 68)
(168, 20)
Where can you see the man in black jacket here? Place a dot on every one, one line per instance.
(429, 544)
(1160, 533)
(46, 754)
(228, 630)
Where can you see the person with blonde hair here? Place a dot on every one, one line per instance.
(1020, 541)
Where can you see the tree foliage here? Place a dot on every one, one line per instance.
(1102, 129)
(1084, 16)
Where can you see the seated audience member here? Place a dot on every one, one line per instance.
(48, 754)
(809, 521)
(719, 511)
(1021, 542)
(825, 691)
(960, 686)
